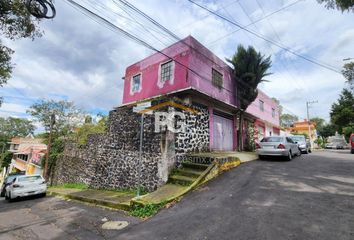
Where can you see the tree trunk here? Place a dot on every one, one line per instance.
(240, 132)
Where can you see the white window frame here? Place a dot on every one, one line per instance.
(160, 82)
(261, 105)
(132, 83)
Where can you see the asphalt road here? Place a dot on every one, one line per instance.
(310, 197)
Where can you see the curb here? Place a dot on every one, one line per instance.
(120, 206)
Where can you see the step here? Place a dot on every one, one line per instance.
(189, 172)
(195, 165)
(182, 180)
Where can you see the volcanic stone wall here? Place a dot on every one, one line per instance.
(110, 160)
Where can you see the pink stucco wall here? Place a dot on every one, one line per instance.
(149, 69)
(203, 61)
(192, 54)
(265, 115)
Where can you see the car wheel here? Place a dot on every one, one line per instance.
(310, 150)
(9, 198)
(43, 194)
(290, 156)
(2, 193)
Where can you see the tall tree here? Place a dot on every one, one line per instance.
(250, 69)
(348, 73)
(319, 122)
(342, 112)
(343, 5)
(15, 22)
(287, 120)
(12, 127)
(67, 115)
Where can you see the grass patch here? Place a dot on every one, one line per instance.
(72, 185)
(146, 210)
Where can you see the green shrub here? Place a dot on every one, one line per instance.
(146, 210)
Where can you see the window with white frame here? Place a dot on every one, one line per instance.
(273, 112)
(216, 78)
(136, 83)
(166, 71)
(261, 105)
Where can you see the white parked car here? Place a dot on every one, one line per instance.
(278, 146)
(26, 185)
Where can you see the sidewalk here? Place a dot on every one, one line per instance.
(113, 199)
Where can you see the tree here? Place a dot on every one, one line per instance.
(67, 118)
(287, 120)
(82, 132)
(250, 69)
(342, 5)
(348, 73)
(342, 112)
(12, 127)
(5, 159)
(319, 122)
(327, 131)
(15, 22)
(67, 115)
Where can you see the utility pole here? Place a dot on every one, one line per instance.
(52, 122)
(308, 103)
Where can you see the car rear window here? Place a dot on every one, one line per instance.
(272, 139)
(29, 178)
(298, 138)
(352, 138)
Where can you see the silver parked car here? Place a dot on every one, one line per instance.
(26, 185)
(304, 145)
(278, 146)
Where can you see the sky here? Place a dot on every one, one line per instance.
(80, 60)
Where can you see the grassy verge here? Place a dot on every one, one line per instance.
(72, 185)
(147, 210)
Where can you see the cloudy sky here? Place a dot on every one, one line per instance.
(79, 60)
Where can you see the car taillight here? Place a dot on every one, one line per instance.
(258, 146)
(281, 146)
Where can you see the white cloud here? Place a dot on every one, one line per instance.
(79, 60)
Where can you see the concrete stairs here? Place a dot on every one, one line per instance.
(187, 174)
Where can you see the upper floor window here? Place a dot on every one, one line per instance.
(136, 83)
(273, 112)
(261, 105)
(216, 78)
(166, 71)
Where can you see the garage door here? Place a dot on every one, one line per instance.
(222, 135)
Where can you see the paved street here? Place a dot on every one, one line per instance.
(311, 197)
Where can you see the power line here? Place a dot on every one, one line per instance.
(256, 21)
(266, 39)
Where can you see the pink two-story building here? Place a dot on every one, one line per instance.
(191, 72)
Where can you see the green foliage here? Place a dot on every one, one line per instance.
(73, 185)
(348, 73)
(15, 22)
(6, 159)
(67, 115)
(342, 112)
(146, 210)
(347, 131)
(287, 120)
(319, 122)
(327, 130)
(13, 127)
(342, 5)
(250, 68)
(81, 133)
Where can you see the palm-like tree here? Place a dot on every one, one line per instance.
(250, 69)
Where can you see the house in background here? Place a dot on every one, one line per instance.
(200, 78)
(303, 128)
(28, 153)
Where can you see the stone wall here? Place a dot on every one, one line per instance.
(110, 160)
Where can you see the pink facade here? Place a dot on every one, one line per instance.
(188, 69)
(192, 69)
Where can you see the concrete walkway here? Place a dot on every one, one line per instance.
(243, 156)
(113, 199)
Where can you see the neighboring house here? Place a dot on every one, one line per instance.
(28, 153)
(208, 84)
(303, 128)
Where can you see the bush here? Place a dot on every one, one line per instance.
(146, 210)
